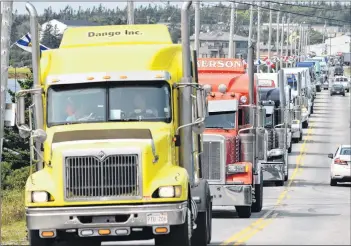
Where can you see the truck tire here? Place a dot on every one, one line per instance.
(300, 139)
(333, 182)
(203, 233)
(312, 109)
(243, 211)
(290, 147)
(179, 234)
(305, 124)
(35, 240)
(257, 206)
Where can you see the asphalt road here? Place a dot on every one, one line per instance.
(307, 210)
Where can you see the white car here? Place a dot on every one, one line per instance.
(340, 168)
(344, 81)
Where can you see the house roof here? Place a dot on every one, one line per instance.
(78, 23)
(218, 36)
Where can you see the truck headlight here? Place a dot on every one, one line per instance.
(40, 196)
(237, 168)
(170, 191)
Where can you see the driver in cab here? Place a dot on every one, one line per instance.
(140, 111)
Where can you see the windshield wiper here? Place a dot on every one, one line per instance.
(220, 127)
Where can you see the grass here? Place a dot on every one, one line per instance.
(347, 71)
(20, 72)
(13, 228)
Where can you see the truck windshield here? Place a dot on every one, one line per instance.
(103, 102)
(225, 120)
(269, 120)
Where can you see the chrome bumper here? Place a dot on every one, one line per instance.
(68, 217)
(273, 171)
(230, 195)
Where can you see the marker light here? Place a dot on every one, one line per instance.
(107, 77)
(208, 88)
(90, 78)
(222, 88)
(243, 99)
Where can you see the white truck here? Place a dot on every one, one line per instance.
(299, 81)
(274, 96)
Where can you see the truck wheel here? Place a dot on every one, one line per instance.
(305, 124)
(243, 211)
(333, 182)
(286, 178)
(179, 234)
(312, 110)
(36, 240)
(290, 147)
(257, 206)
(203, 233)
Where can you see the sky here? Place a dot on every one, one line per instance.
(56, 5)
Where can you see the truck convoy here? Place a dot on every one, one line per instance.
(117, 129)
(299, 80)
(229, 164)
(275, 97)
(316, 86)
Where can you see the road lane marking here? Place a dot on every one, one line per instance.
(258, 225)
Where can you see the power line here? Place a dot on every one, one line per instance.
(288, 12)
(305, 6)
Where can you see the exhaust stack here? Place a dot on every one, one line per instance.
(37, 97)
(186, 143)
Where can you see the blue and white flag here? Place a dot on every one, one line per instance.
(25, 43)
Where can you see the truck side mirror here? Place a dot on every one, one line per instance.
(24, 130)
(10, 114)
(201, 111)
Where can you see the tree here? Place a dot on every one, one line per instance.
(16, 157)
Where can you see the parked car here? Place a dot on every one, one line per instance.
(340, 168)
(337, 89)
(344, 81)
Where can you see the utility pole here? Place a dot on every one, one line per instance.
(130, 9)
(292, 40)
(269, 36)
(287, 39)
(282, 43)
(277, 41)
(250, 27)
(6, 24)
(231, 53)
(324, 31)
(258, 35)
(197, 28)
(300, 38)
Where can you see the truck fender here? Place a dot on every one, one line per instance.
(198, 194)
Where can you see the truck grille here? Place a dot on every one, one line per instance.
(91, 178)
(211, 166)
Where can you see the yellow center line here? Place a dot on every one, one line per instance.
(258, 225)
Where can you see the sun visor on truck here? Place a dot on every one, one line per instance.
(115, 34)
(101, 135)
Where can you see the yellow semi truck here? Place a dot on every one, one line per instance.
(116, 137)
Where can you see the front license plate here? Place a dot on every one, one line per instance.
(157, 219)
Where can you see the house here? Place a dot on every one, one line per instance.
(216, 44)
(62, 25)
